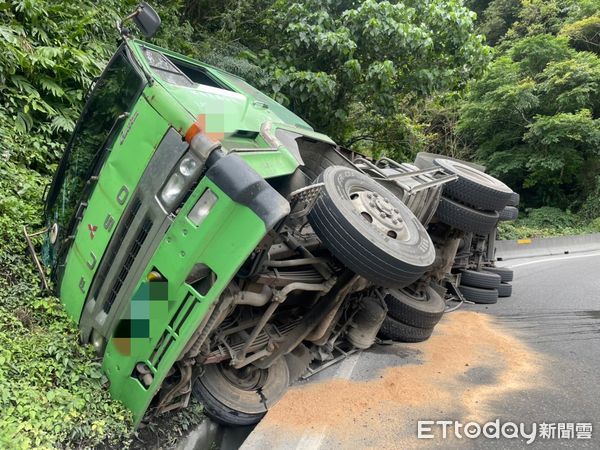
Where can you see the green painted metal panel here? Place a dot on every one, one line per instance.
(130, 154)
(223, 242)
(271, 164)
(249, 108)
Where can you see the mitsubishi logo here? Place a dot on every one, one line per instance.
(92, 229)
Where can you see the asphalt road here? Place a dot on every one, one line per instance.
(554, 313)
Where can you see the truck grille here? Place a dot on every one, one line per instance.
(136, 245)
(118, 241)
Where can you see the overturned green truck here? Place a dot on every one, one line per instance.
(209, 242)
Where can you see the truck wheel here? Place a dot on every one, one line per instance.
(240, 396)
(506, 274)
(508, 213)
(369, 229)
(479, 295)
(423, 204)
(465, 218)
(400, 332)
(505, 290)
(485, 280)
(424, 160)
(421, 308)
(475, 188)
(514, 200)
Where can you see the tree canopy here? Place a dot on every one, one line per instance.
(534, 117)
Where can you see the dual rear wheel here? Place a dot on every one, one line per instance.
(487, 285)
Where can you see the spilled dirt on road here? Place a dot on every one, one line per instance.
(375, 411)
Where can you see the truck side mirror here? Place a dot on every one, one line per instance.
(147, 20)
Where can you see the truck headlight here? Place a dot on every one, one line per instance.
(187, 171)
(188, 166)
(202, 207)
(172, 189)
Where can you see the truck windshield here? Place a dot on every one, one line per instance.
(114, 93)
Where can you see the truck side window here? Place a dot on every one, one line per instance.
(166, 70)
(179, 72)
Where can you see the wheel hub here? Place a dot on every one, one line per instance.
(247, 378)
(381, 213)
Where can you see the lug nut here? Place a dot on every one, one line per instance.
(372, 205)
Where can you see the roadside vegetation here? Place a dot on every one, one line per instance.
(547, 222)
(382, 77)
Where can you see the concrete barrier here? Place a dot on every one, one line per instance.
(560, 245)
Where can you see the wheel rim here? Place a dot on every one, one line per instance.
(378, 211)
(473, 174)
(419, 295)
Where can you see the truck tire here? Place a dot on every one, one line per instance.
(475, 188)
(479, 295)
(506, 274)
(421, 309)
(486, 280)
(508, 213)
(245, 402)
(369, 230)
(505, 290)
(514, 200)
(424, 160)
(400, 332)
(465, 218)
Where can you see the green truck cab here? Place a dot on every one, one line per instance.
(207, 239)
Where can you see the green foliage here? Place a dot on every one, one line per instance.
(49, 54)
(539, 17)
(548, 217)
(584, 34)
(333, 58)
(51, 388)
(591, 207)
(496, 18)
(52, 391)
(534, 119)
(533, 53)
(547, 222)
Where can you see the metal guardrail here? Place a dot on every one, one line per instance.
(523, 248)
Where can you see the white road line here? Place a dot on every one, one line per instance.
(346, 367)
(561, 258)
(313, 440)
